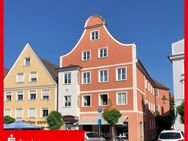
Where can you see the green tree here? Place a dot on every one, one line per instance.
(180, 111)
(163, 122)
(54, 120)
(8, 119)
(112, 116)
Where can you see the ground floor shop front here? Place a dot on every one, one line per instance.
(131, 126)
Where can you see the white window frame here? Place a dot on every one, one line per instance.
(123, 67)
(85, 51)
(99, 98)
(146, 84)
(10, 112)
(156, 92)
(99, 52)
(16, 113)
(17, 77)
(44, 108)
(42, 94)
(65, 101)
(126, 98)
(67, 73)
(83, 100)
(99, 77)
(29, 113)
(30, 76)
(7, 93)
(17, 93)
(94, 38)
(31, 92)
(25, 61)
(83, 77)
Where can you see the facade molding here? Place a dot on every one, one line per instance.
(105, 90)
(28, 88)
(107, 66)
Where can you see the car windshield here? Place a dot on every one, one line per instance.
(170, 135)
(92, 135)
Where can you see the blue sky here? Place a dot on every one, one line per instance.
(52, 27)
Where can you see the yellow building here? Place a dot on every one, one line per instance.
(30, 88)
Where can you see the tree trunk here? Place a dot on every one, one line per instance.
(113, 133)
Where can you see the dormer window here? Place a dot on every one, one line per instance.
(94, 35)
(27, 61)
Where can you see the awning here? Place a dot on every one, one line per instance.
(93, 121)
(20, 125)
(70, 119)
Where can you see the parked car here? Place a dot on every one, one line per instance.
(93, 136)
(171, 135)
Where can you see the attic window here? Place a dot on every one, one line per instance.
(27, 61)
(94, 35)
(33, 77)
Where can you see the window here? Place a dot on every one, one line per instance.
(67, 101)
(103, 52)
(103, 75)
(19, 113)
(157, 92)
(103, 99)
(45, 112)
(7, 112)
(27, 61)
(46, 94)
(67, 78)
(20, 95)
(20, 77)
(120, 74)
(8, 96)
(94, 35)
(141, 129)
(121, 98)
(157, 108)
(31, 112)
(146, 84)
(86, 78)
(86, 101)
(32, 95)
(86, 55)
(33, 77)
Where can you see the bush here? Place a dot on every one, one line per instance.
(8, 120)
(54, 120)
(180, 111)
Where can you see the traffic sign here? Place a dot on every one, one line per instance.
(99, 110)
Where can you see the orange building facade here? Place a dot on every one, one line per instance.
(102, 73)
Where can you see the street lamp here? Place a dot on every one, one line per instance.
(164, 99)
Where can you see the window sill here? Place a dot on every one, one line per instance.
(19, 82)
(103, 57)
(67, 107)
(103, 105)
(86, 83)
(121, 80)
(103, 82)
(86, 106)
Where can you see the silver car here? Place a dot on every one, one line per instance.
(93, 136)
